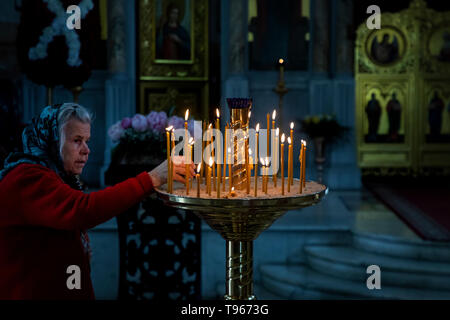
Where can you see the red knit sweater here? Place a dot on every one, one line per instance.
(40, 222)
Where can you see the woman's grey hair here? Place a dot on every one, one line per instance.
(69, 111)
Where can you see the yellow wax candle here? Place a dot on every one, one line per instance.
(208, 142)
(230, 176)
(282, 164)
(274, 177)
(224, 159)
(186, 151)
(202, 173)
(304, 164)
(289, 164)
(291, 179)
(268, 134)
(197, 176)
(214, 156)
(256, 162)
(247, 167)
(218, 165)
(209, 174)
(300, 159)
(275, 156)
(168, 158)
(267, 175)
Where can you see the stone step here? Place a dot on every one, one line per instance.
(399, 247)
(296, 281)
(350, 263)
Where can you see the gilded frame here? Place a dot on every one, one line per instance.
(153, 68)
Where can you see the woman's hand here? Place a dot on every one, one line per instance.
(159, 174)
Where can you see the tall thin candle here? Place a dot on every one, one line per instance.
(300, 159)
(268, 134)
(282, 163)
(291, 179)
(197, 176)
(304, 165)
(169, 162)
(275, 157)
(256, 162)
(289, 164)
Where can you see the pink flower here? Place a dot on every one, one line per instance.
(157, 121)
(139, 123)
(126, 122)
(115, 132)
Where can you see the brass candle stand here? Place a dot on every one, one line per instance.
(241, 217)
(240, 220)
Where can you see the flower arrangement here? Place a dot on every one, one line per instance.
(143, 135)
(322, 125)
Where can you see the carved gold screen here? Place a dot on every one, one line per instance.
(402, 74)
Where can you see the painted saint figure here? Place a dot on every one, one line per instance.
(172, 39)
(394, 110)
(385, 52)
(373, 111)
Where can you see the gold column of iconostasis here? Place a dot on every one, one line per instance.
(402, 74)
(173, 57)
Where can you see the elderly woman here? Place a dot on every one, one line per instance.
(44, 214)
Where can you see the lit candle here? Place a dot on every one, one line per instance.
(275, 156)
(186, 151)
(191, 145)
(169, 162)
(214, 156)
(281, 64)
(197, 176)
(291, 179)
(289, 163)
(282, 163)
(232, 192)
(256, 162)
(172, 138)
(300, 159)
(208, 141)
(219, 166)
(304, 164)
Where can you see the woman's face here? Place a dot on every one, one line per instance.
(75, 149)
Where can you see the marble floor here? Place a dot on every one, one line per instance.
(356, 210)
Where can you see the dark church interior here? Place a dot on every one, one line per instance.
(360, 90)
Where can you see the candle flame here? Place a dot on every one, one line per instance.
(249, 114)
(210, 126)
(169, 128)
(289, 140)
(217, 113)
(250, 152)
(186, 115)
(191, 140)
(229, 150)
(199, 167)
(292, 125)
(283, 138)
(277, 133)
(274, 114)
(257, 127)
(262, 161)
(232, 189)
(210, 161)
(305, 143)
(280, 61)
